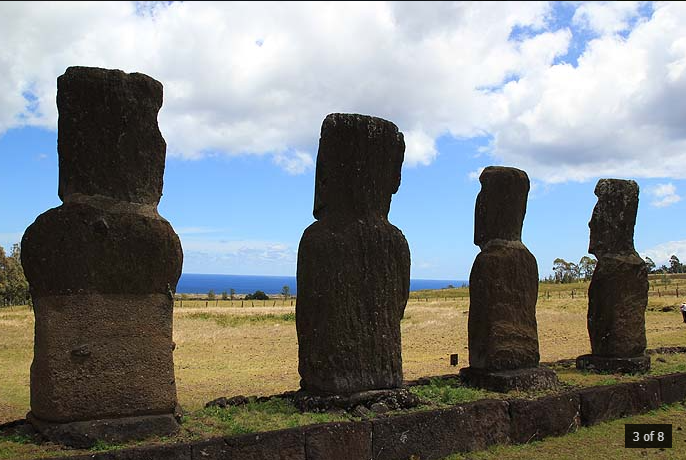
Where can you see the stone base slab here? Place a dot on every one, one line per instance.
(374, 400)
(604, 364)
(535, 378)
(84, 434)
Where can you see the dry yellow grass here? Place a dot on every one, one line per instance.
(260, 358)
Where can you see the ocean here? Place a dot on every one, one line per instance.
(195, 283)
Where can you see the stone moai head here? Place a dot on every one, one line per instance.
(500, 205)
(614, 217)
(358, 166)
(108, 139)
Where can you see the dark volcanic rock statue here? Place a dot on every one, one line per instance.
(618, 294)
(503, 289)
(353, 265)
(102, 267)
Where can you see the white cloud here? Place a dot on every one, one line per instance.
(606, 17)
(264, 249)
(259, 78)
(203, 255)
(296, 163)
(420, 148)
(613, 115)
(665, 195)
(662, 252)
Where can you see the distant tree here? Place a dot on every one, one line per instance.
(4, 279)
(14, 289)
(548, 279)
(587, 267)
(569, 272)
(232, 293)
(674, 265)
(225, 295)
(650, 265)
(574, 272)
(561, 268)
(286, 292)
(211, 294)
(257, 295)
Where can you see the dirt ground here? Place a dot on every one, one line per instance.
(260, 358)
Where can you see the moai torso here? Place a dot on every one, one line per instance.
(618, 294)
(503, 284)
(102, 266)
(353, 265)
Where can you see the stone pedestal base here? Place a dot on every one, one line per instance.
(374, 400)
(604, 364)
(85, 434)
(535, 378)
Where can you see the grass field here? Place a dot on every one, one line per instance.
(225, 350)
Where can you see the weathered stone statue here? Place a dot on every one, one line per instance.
(618, 294)
(102, 268)
(353, 265)
(503, 289)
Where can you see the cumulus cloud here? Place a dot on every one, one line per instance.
(420, 148)
(606, 17)
(258, 78)
(661, 253)
(610, 115)
(664, 195)
(295, 163)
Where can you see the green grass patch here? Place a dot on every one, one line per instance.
(102, 446)
(661, 364)
(16, 438)
(274, 414)
(439, 294)
(241, 320)
(448, 392)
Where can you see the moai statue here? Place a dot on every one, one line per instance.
(618, 294)
(353, 265)
(102, 269)
(503, 289)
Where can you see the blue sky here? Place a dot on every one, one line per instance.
(569, 92)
